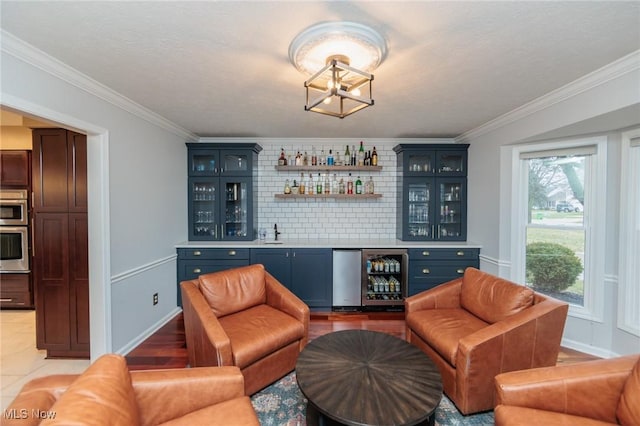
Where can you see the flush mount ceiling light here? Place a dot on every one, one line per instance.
(339, 57)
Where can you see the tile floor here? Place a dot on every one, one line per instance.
(20, 361)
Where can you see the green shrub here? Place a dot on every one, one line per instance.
(552, 267)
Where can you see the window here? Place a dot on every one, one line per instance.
(629, 283)
(557, 221)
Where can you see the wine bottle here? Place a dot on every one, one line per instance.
(319, 185)
(374, 157)
(347, 156)
(358, 186)
(314, 156)
(361, 155)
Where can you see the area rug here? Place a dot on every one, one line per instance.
(282, 404)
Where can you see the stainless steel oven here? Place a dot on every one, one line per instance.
(13, 207)
(14, 249)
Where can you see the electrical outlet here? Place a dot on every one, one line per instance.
(155, 298)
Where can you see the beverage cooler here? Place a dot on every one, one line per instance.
(384, 278)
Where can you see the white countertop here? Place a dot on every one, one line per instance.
(330, 243)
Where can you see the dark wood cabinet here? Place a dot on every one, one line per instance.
(430, 267)
(15, 291)
(60, 252)
(15, 169)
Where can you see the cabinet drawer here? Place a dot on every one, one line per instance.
(217, 253)
(15, 283)
(443, 254)
(446, 270)
(15, 299)
(192, 269)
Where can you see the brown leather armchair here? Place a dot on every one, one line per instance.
(601, 392)
(244, 317)
(478, 326)
(108, 394)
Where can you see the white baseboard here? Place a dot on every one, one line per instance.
(148, 332)
(588, 349)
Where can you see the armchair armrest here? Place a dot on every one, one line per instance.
(280, 297)
(588, 389)
(445, 295)
(163, 395)
(207, 342)
(528, 339)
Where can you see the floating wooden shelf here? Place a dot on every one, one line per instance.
(328, 168)
(337, 196)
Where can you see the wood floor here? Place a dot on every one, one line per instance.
(167, 347)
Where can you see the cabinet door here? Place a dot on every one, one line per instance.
(204, 162)
(51, 281)
(312, 277)
(204, 209)
(15, 170)
(236, 162)
(418, 209)
(77, 172)
(451, 209)
(451, 163)
(79, 281)
(276, 261)
(236, 215)
(50, 170)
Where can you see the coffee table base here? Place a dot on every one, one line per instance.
(316, 418)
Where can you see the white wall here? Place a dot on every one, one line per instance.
(137, 197)
(611, 89)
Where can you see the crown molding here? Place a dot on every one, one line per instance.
(24, 51)
(622, 66)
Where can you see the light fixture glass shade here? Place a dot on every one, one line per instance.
(339, 56)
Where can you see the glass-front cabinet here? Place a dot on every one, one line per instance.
(221, 198)
(432, 192)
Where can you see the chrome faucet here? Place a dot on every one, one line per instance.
(276, 232)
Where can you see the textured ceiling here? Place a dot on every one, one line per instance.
(221, 68)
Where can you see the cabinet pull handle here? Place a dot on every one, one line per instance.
(232, 252)
(5, 300)
(286, 254)
(33, 237)
(197, 253)
(460, 271)
(197, 271)
(425, 253)
(460, 253)
(426, 271)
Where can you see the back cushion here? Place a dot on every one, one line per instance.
(102, 395)
(234, 290)
(491, 298)
(629, 408)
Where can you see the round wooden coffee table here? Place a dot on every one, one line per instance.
(359, 377)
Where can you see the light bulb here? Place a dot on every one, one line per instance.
(355, 92)
(327, 101)
(330, 84)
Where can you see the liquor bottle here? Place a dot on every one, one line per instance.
(305, 159)
(347, 156)
(303, 184)
(374, 157)
(350, 185)
(371, 185)
(330, 158)
(311, 188)
(361, 155)
(298, 159)
(354, 160)
(358, 186)
(323, 158)
(282, 161)
(287, 188)
(327, 184)
(314, 156)
(319, 185)
(367, 158)
(341, 189)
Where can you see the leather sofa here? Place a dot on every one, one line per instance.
(478, 326)
(602, 392)
(244, 317)
(108, 394)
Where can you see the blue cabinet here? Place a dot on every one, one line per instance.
(306, 272)
(222, 204)
(431, 192)
(429, 268)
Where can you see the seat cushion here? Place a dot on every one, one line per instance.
(491, 298)
(509, 415)
(259, 331)
(102, 395)
(234, 290)
(628, 411)
(238, 411)
(442, 329)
